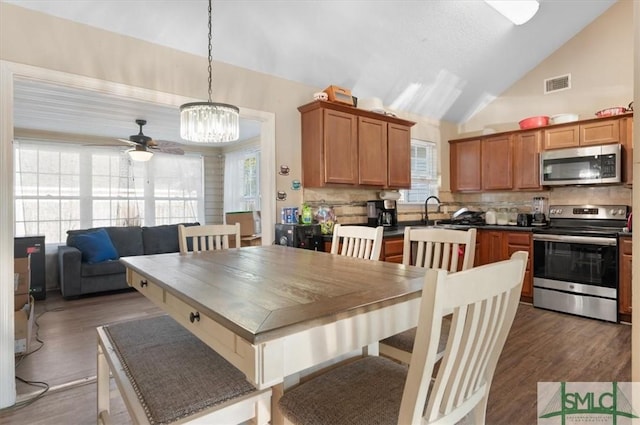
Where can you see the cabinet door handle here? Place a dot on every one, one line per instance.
(143, 283)
(194, 316)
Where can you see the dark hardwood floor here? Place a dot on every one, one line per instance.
(542, 346)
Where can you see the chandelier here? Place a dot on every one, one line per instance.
(209, 122)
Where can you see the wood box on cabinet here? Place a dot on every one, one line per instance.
(345, 146)
(624, 291)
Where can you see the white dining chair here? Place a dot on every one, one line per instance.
(208, 237)
(447, 249)
(357, 241)
(377, 390)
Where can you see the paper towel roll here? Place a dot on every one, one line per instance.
(389, 195)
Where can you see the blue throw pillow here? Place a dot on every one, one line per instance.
(96, 247)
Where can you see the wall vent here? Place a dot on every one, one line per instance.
(552, 85)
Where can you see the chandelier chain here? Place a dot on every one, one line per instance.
(210, 57)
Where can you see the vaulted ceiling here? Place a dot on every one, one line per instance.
(443, 59)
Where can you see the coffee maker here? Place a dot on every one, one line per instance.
(382, 213)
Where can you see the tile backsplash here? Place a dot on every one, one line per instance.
(350, 204)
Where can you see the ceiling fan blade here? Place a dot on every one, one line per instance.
(129, 142)
(166, 146)
(174, 150)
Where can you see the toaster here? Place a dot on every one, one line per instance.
(524, 219)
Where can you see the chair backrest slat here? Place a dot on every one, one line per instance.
(357, 241)
(449, 249)
(208, 237)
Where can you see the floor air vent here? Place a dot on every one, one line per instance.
(552, 85)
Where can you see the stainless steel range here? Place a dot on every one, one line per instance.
(575, 260)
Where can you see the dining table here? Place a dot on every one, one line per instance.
(275, 312)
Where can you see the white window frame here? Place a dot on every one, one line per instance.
(85, 197)
(429, 177)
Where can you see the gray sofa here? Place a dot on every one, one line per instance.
(79, 277)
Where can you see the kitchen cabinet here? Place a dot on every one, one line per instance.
(526, 160)
(522, 241)
(372, 152)
(624, 284)
(626, 137)
(511, 160)
(343, 146)
(465, 165)
(481, 164)
(392, 249)
(399, 156)
(498, 245)
(497, 162)
(594, 132)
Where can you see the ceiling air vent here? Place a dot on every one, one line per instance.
(552, 85)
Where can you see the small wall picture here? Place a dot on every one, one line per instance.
(284, 170)
(281, 195)
(296, 185)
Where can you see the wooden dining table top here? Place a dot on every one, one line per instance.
(265, 292)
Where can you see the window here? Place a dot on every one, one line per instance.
(242, 180)
(424, 172)
(59, 187)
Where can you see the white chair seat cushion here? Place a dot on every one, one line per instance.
(175, 375)
(332, 398)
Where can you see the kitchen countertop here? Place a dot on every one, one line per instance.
(400, 230)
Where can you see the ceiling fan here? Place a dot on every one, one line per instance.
(144, 146)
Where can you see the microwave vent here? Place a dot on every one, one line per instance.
(552, 85)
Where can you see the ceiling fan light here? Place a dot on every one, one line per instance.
(517, 11)
(141, 155)
(208, 122)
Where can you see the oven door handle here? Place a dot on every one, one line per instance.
(593, 240)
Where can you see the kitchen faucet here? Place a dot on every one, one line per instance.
(426, 211)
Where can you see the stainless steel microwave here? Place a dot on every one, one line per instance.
(587, 165)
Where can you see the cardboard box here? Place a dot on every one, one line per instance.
(246, 220)
(22, 282)
(23, 325)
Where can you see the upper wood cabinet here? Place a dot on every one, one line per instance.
(398, 156)
(346, 146)
(598, 132)
(626, 137)
(481, 164)
(511, 160)
(497, 162)
(372, 152)
(526, 160)
(465, 165)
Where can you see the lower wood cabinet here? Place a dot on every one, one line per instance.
(624, 289)
(392, 249)
(498, 245)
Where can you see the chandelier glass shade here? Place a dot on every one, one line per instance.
(208, 122)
